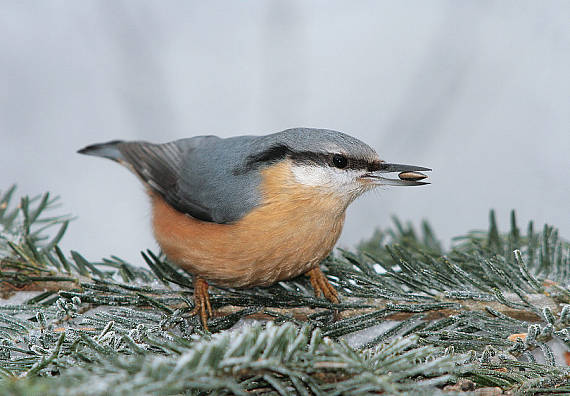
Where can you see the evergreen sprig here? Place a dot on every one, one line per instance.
(413, 317)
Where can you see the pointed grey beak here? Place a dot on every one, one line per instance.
(409, 175)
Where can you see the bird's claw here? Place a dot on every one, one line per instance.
(322, 286)
(202, 306)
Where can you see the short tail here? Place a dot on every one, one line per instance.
(107, 150)
(157, 165)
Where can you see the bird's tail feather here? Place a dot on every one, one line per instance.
(157, 165)
(107, 150)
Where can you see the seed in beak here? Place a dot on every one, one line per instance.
(415, 176)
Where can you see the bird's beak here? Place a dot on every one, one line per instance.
(409, 175)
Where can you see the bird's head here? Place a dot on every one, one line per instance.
(335, 163)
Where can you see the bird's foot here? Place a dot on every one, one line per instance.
(322, 286)
(202, 305)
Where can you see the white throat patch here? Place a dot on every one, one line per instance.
(342, 182)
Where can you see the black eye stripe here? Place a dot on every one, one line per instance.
(328, 159)
(280, 152)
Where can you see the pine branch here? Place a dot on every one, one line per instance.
(483, 311)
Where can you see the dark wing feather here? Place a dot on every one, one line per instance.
(205, 177)
(159, 166)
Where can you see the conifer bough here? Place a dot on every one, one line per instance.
(492, 311)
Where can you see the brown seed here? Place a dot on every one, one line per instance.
(411, 176)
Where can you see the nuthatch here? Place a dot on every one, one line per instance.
(253, 210)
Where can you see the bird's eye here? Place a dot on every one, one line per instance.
(339, 161)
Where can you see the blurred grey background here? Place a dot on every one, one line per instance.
(477, 90)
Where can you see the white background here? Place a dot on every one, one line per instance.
(477, 90)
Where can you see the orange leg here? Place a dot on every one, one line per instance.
(202, 305)
(322, 286)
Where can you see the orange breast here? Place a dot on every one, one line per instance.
(290, 233)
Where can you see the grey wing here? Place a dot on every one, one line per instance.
(196, 176)
(213, 177)
(159, 166)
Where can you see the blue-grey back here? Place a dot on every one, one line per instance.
(212, 176)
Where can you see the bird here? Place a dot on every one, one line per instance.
(250, 210)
